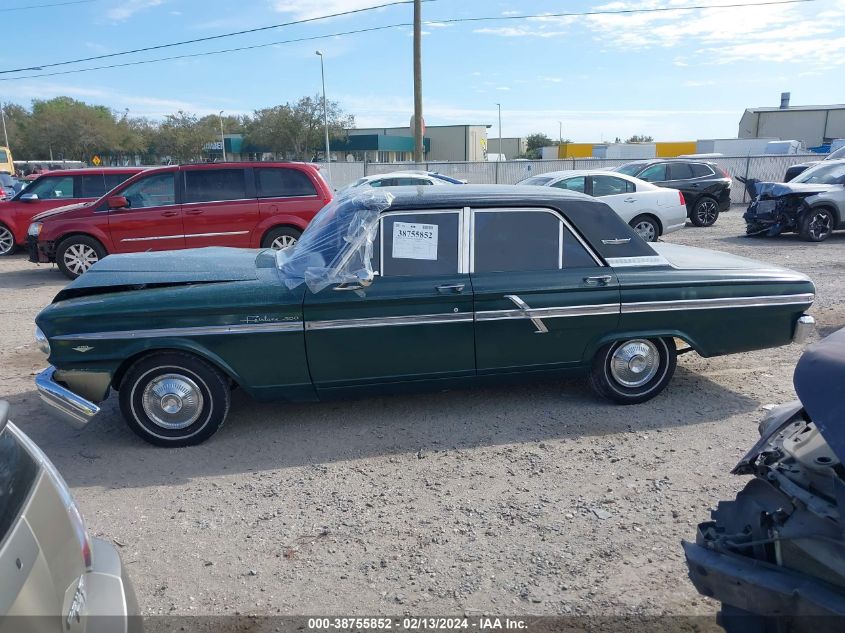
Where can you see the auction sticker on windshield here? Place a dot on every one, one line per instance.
(414, 241)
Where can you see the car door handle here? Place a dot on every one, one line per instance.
(456, 288)
(630, 199)
(194, 212)
(169, 214)
(601, 280)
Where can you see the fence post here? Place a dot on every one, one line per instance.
(366, 162)
(497, 170)
(747, 170)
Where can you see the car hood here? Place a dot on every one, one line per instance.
(818, 381)
(59, 210)
(778, 189)
(116, 273)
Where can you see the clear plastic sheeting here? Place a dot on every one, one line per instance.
(337, 247)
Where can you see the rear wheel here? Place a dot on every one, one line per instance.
(174, 399)
(7, 241)
(705, 211)
(280, 238)
(816, 225)
(633, 370)
(77, 253)
(647, 227)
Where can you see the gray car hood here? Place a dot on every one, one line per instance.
(778, 189)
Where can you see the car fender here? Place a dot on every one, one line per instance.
(272, 221)
(612, 337)
(103, 237)
(823, 200)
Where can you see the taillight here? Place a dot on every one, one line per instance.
(681, 196)
(724, 172)
(2, 192)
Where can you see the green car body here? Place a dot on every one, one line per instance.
(259, 321)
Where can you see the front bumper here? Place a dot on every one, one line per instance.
(764, 589)
(64, 403)
(40, 252)
(805, 326)
(111, 604)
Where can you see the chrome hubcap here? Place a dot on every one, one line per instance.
(172, 401)
(79, 258)
(283, 241)
(647, 230)
(7, 240)
(634, 363)
(707, 211)
(819, 225)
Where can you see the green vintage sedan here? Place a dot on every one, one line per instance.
(404, 287)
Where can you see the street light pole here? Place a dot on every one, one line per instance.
(3, 116)
(500, 130)
(560, 132)
(222, 138)
(325, 119)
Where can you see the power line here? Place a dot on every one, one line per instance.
(212, 37)
(45, 6)
(401, 25)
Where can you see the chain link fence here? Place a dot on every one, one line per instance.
(766, 168)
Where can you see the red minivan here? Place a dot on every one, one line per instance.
(248, 205)
(54, 189)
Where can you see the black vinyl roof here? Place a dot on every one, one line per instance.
(592, 218)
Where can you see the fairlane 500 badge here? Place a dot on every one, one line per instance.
(261, 318)
(83, 348)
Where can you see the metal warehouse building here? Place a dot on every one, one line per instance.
(444, 142)
(812, 125)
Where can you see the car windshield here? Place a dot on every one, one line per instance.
(824, 174)
(6, 180)
(631, 169)
(536, 180)
(337, 246)
(840, 153)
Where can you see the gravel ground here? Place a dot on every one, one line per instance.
(534, 499)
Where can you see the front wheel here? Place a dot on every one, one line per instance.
(633, 370)
(7, 241)
(705, 212)
(77, 253)
(816, 225)
(647, 227)
(174, 399)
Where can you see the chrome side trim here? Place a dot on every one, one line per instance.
(415, 319)
(526, 310)
(146, 239)
(282, 326)
(711, 304)
(645, 260)
(616, 241)
(217, 234)
(62, 402)
(549, 313)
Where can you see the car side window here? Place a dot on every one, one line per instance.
(412, 181)
(611, 186)
(417, 244)
(700, 170)
(96, 185)
(655, 173)
(280, 182)
(572, 184)
(680, 171)
(52, 188)
(153, 191)
(214, 185)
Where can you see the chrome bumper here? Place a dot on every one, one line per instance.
(805, 326)
(62, 402)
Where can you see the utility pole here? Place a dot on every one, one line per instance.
(499, 105)
(418, 109)
(3, 116)
(222, 138)
(560, 132)
(325, 118)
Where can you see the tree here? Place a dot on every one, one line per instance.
(535, 142)
(640, 138)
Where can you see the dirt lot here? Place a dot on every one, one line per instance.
(534, 499)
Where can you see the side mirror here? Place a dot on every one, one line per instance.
(363, 279)
(29, 197)
(117, 202)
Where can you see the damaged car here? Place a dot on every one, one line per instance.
(812, 205)
(775, 555)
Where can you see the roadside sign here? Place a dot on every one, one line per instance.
(96, 161)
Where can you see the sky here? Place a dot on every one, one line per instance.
(678, 75)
